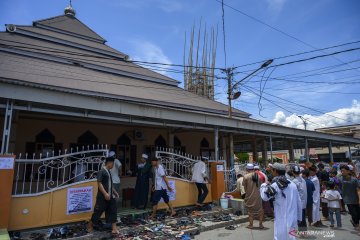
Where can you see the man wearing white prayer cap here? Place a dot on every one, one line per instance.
(141, 192)
(287, 203)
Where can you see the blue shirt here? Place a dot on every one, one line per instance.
(310, 187)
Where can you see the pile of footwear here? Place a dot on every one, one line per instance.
(64, 232)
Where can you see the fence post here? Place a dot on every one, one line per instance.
(7, 163)
(217, 180)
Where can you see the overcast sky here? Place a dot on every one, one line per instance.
(153, 30)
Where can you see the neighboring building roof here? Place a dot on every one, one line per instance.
(339, 127)
(352, 130)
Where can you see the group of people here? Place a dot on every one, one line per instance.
(296, 195)
(108, 179)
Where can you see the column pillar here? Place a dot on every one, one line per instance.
(216, 143)
(231, 150)
(271, 150)
(331, 153)
(307, 157)
(350, 157)
(291, 151)
(264, 152)
(255, 153)
(7, 127)
(223, 140)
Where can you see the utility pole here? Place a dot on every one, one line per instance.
(304, 121)
(229, 76)
(306, 140)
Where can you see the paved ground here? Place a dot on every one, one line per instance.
(242, 233)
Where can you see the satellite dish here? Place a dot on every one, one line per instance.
(10, 27)
(236, 95)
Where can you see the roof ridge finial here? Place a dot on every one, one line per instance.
(69, 10)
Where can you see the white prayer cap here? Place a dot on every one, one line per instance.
(350, 167)
(111, 154)
(302, 169)
(145, 156)
(249, 166)
(279, 166)
(270, 165)
(256, 167)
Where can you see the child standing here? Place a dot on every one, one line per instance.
(334, 200)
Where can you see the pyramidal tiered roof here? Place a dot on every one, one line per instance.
(62, 53)
(69, 24)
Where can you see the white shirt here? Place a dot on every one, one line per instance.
(301, 186)
(288, 210)
(199, 172)
(159, 174)
(333, 197)
(115, 172)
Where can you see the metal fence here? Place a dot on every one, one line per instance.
(230, 176)
(38, 175)
(179, 164)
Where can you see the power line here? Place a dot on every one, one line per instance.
(274, 28)
(283, 108)
(301, 53)
(315, 57)
(125, 64)
(42, 48)
(303, 106)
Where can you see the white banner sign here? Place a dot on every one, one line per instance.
(6, 162)
(79, 200)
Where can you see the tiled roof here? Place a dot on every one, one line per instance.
(36, 72)
(69, 24)
(62, 53)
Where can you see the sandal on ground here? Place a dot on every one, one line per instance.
(231, 227)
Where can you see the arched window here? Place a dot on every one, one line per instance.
(160, 142)
(204, 143)
(205, 150)
(44, 144)
(124, 140)
(126, 153)
(45, 136)
(177, 142)
(87, 138)
(177, 145)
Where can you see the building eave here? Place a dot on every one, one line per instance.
(148, 111)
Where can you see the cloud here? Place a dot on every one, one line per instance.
(342, 116)
(276, 5)
(150, 52)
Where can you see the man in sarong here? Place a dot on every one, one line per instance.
(253, 202)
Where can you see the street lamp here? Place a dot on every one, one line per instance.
(236, 95)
